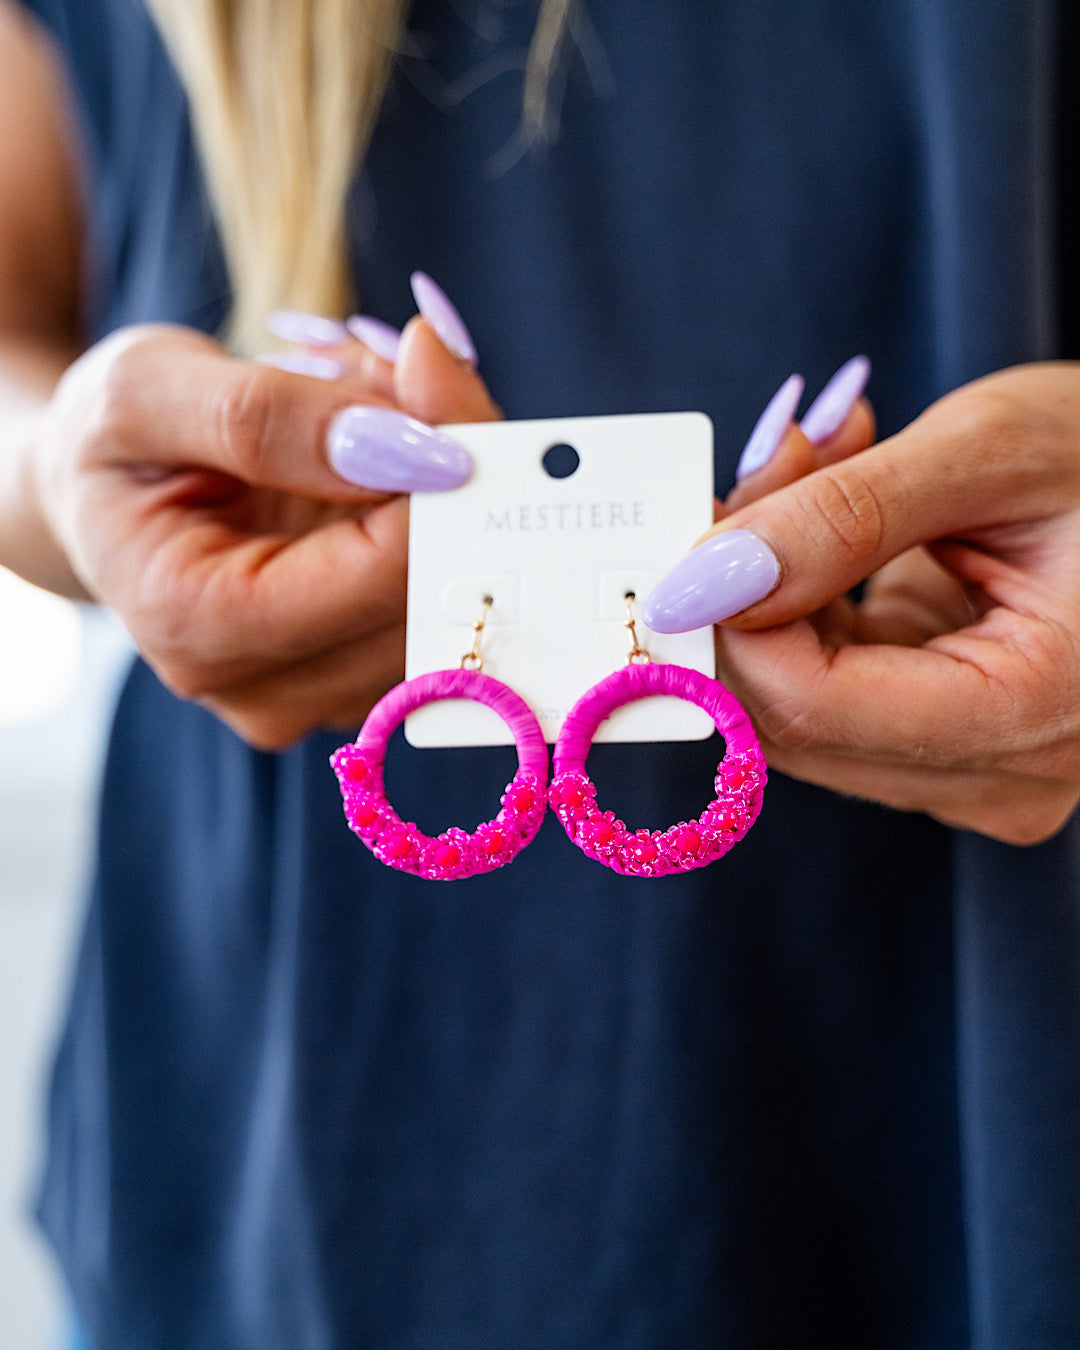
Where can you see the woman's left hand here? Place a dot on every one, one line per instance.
(953, 686)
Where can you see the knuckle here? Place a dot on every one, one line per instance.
(244, 415)
(846, 507)
(189, 679)
(1029, 822)
(1026, 833)
(173, 634)
(265, 731)
(993, 420)
(113, 412)
(122, 360)
(169, 647)
(1037, 689)
(107, 389)
(1004, 426)
(787, 723)
(103, 412)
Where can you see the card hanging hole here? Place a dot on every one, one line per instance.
(560, 461)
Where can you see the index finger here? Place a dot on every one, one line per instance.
(210, 608)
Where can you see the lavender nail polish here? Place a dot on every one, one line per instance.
(434, 304)
(303, 363)
(382, 338)
(389, 452)
(826, 414)
(719, 578)
(311, 330)
(771, 425)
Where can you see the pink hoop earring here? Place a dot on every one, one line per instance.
(740, 776)
(454, 854)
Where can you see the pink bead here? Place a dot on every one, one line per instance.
(399, 846)
(723, 816)
(447, 856)
(688, 841)
(735, 774)
(643, 850)
(365, 813)
(600, 832)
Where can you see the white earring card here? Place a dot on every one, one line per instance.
(557, 555)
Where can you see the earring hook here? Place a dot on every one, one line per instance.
(637, 655)
(472, 660)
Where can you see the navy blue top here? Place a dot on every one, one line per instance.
(826, 1092)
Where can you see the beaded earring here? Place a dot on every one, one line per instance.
(740, 776)
(454, 853)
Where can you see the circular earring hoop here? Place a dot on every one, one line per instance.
(454, 853)
(740, 777)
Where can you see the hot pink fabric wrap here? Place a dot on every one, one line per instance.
(740, 777)
(455, 853)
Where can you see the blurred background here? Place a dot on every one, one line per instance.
(60, 667)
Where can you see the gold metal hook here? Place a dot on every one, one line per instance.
(637, 655)
(472, 660)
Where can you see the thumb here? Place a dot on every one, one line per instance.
(786, 555)
(163, 398)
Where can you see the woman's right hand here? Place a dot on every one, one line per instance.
(193, 493)
(247, 524)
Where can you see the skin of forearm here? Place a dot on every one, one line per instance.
(29, 372)
(41, 234)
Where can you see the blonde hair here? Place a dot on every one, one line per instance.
(284, 95)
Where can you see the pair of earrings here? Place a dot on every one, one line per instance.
(740, 777)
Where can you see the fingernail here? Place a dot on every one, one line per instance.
(719, 578)
(434, 304)
(770, 427)
(303, 363)
(826, 414)
(382, 338)
(389, 452)
(312, 330)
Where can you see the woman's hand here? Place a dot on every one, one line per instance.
(954, 686)
(197, 495)
(240, 520)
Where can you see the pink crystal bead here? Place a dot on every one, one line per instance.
(688, 841)
(399, 846)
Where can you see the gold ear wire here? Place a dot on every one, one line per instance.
(472, 660)
(637, 655)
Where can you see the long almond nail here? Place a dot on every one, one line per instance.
(828, 412)
(384, 450)
(382, 338)
(303, 363)
(770, 427)
(721, 577)
(434, 304)
(310, 330)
